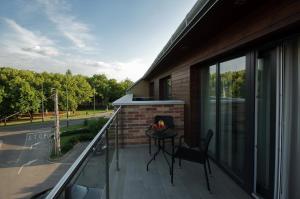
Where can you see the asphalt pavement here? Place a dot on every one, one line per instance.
(25, 168)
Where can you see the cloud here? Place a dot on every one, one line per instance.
(58, 12)
(25, 49)
(132, 69)
(97, 64)
(22, 40)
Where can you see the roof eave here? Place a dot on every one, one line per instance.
(204, 7)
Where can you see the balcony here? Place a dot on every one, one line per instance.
(113, 166)
(133, 181)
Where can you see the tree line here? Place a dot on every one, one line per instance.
(24, 91)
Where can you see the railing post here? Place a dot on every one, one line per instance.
(117, 142)
(107, 164)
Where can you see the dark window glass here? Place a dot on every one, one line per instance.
(165, 88)
(208, 104)
(265, 121)
(291, 120)
(232, 115)
(151, 90)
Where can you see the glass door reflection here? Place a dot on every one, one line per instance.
(265, 122)
(232, 115)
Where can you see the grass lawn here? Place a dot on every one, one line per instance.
(63, 116)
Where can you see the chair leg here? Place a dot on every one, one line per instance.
(180, 162)
(206, 176)
(209, 169)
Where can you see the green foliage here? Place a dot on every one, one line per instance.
(85, 122)
(2, 94)
(74, 136)
(94, 126)
(23, 90)
(100, 83)
(108, 90)
(74, 132)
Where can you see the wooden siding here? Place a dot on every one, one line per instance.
(141, 89)
(264, 23)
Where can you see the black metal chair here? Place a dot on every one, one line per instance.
(169, 123)
(193, 155)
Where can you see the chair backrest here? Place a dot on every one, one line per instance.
(207, 140)
(168, 120)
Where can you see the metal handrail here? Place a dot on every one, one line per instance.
(60, 186)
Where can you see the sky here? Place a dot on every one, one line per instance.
(119, 38)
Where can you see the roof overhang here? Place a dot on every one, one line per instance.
(205, 19)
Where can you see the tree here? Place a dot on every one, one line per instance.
(126, 84)
(24, 90)
(115, 90)
(25, 98)
(100, 83)
(1, 94)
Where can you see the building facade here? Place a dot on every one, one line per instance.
(236, 67)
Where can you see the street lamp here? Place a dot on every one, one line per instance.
(43, 114)
(67, 107)
(94, 101)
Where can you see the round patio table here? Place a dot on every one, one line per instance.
(161, 136)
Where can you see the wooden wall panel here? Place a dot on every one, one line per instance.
(267, 22)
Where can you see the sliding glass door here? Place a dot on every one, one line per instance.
(232, 115)
(271, 131)
(223, 110)
(208, 84)
(290, 158)
(266, 95)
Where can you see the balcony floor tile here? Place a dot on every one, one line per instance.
(134, 182)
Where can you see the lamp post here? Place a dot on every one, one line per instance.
(43, 114)
(94, 101)
(56, 124)
(67, 107)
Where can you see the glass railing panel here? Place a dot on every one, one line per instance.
(90, 179)
(92, 174)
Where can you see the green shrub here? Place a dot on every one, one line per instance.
(85, 122)
(94, 126)
(72, 137)
(86, 137)
(66, 147)
(74, 132)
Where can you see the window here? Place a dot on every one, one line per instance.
(165, 88)
(222, 105)
(232, 114)
(151, 90)
(291, 121)
(208, 104)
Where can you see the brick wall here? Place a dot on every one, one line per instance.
(135, 119)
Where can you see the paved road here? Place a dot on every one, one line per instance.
(24, 165)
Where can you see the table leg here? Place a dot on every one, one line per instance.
(155, 154)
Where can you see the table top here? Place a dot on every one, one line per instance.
(167, 133)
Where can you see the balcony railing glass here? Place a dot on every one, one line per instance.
(90, 174)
